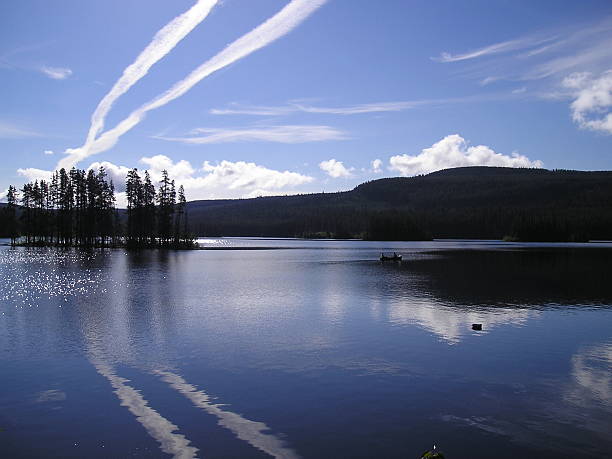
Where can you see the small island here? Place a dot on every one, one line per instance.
(77, 208)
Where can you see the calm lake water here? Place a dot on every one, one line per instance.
(314, 349)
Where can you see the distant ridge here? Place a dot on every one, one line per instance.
(465, 202)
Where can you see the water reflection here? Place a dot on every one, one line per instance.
(136, 321)
(592, 373)
(446, 292)
(157, 426)
(310, 343)
(452, 324)
(254, 433)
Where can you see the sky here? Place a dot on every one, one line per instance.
(246, 98)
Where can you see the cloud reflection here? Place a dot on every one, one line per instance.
(254, 433)
(592, 374)
(453, 324)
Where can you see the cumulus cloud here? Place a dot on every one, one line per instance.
(31, 174)
(180, 171)
(56, 73)
(115, 173)
(243, 177)
(225, 179)
(453, 151)
(376, 166)
(335, 168)
(592, 105)
(282, 134)
(48, 152)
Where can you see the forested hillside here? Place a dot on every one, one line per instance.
(471, 202)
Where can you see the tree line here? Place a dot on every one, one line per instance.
(77, 208)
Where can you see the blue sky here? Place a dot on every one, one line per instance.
(323, 96)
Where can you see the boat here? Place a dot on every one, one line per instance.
(394, 257)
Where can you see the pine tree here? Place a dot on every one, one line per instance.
(12, 199)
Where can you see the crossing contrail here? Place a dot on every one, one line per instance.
(275, 27)
(163, 42)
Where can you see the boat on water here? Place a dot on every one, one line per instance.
(394, 257)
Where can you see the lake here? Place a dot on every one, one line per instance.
(314, 349)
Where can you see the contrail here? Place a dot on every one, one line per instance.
(278, 25)
(163, 42)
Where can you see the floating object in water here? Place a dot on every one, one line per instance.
(394, 257)
(476, 326)
(432, 454)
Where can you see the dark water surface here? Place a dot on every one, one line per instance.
(313, 350)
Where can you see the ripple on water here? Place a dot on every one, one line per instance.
(28, 276)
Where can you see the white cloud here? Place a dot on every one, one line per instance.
(56, 73)
(282, 134)
(224, 180)
(488, 80)
(31, 174)
(259, 110)
(163, 42)
(48, 152)
(293, 107)
(179, 171)
(362, 108)
(376, 166)
(274, 28)
(453, 151)
(496, 48)
(115, 173)
(335, 169)
(592, 104)
(542, 59)
(10, 131)
(3, 195)
(240, 178)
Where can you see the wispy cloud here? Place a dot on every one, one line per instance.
(375, 107)
(274, 28)
(592, 105)
(540, 56)
(163, 42)
(335, 169)
(48, 152)
(281, 134)
(362, 108)
(236, 109)
(56, 73)
(10, 131)
(496, 48)
(454, 151)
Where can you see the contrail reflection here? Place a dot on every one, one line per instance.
(155, 424)
(252, 432)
